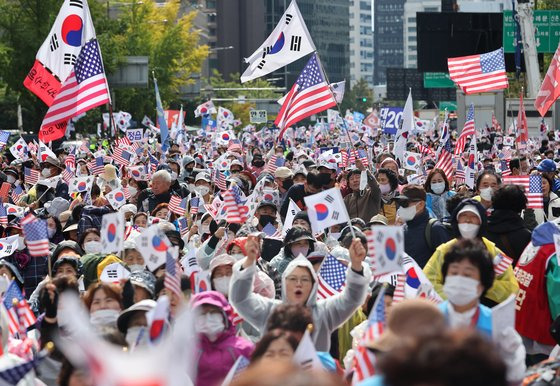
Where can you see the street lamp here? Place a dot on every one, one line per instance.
(215, 49)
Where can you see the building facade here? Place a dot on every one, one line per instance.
(361, 42)
(387, 37)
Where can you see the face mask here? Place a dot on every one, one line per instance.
(136, 267)
(202, 190)
(104, 317)
(335, 235)
(46, 173)
(438, 187)
(221, 284)
(385, 188)
(460, 290)
(211, 325)
(486, 194)
(10, 179)
(132, 190)
(258, 164)
(296, 251)
(238, 256)
(188, 171)
(265, 219)
(21, 243)
(92, 247)
(137, 336)
(204, 229)
(469, 231)
(51, 232)
(408, 213)
(287, 184)
(173, 176)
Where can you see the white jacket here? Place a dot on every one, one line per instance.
(327, 314)
(554, 202)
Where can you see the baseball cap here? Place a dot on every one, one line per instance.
(202, 176)
(283, 172)
(143, 306)
(412, 192)
(547, 165)
(469, 208)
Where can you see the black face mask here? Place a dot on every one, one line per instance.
(265, 219)
(258, 163)
(189, 170)
(325, 178)
(287, 184)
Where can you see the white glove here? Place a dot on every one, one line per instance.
(513, 353)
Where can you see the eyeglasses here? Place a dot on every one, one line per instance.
(295, 280)
(407, 203)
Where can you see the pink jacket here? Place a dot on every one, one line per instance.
(216, 358)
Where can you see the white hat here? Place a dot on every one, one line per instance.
(283, 172)
(469, 208)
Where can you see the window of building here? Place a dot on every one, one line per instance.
(364, 5)
(411, 29)
(210, 3)
(412, 19)
(412, 38)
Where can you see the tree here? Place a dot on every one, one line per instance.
(358, 98)
(241, 110)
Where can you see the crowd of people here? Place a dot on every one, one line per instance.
(258, 282)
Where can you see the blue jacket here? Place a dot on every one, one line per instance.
(415, 243)
(484, 322)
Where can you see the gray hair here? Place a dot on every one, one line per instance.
(162, 174)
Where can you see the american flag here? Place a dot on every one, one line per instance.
(504, 168)
(533, 189)
(272, 232)
(13, 375)
(84, 89)
(376, 319)
(479, 73)
(445, 161)
(426, 151)
(154, 163)
(235, 145)
(398, 295)
(17, 193)
(309, 95)
(36, 236)
(219, 179)
(172, 281)
(123, 141)
(460, 173)
(20, 315)
(30, 176)
(331, 277)
(183, 226)
(178, 205)
(97, 167)
(70, 161)
(3, 215)
(468, 130)
(68, 174)
(362, 156)
(274, 163)
(364, 364)
(121, 157)
(126, 192)
(236, 212)
(501, 263)
(195, 203)
(344, 159)
(4, 136)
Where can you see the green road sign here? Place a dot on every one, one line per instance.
(437, 80)
(450, 106)
(547, 31)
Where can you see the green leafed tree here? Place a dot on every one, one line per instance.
(358, 98)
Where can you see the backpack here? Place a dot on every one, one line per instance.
(428, 232)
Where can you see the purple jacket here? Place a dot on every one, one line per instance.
(215, 359)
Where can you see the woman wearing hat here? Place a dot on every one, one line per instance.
(469, 222)
(298, 241)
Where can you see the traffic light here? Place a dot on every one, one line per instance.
(361, 99)
(364, 99)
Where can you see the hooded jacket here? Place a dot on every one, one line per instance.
(504, 285)
(328, 314)
(509, 232)
(215, 359)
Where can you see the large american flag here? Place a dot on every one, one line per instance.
(479, 73)
(178, 205)
(309, 95)
(331, 277)
(236, 211)
(20, 315)
(30, 176)
(468, 130)
(84, 89)
(274, 163)
(533, 189)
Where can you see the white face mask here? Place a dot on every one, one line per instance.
(104, 318)
(10, 179)
(408, 213)
(204, 229)
(461, 290)
(173, 176)
(385, 188)
(46, 173)
(486, 194)
(211, 325)
(136, 267)
(238, 256)
(21, 243)
(469, 231)
(335, 235)
(51, 232)
(438, 187)
(137, 336)
(132, 190)
(92, 247)
(296, 251)
(202, 190)
(221, 284)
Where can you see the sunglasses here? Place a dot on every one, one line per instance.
(406, 203)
